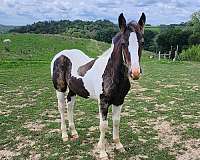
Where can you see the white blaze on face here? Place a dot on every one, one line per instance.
(133, 49)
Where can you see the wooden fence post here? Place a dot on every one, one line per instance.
(159, 55)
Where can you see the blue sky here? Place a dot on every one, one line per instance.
(21, 12)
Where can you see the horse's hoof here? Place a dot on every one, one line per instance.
(74, 137)
(103, 156)
(65, 139)
(121, 150)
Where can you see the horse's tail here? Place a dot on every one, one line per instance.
(61, 73)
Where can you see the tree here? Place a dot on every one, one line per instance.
(195, 22)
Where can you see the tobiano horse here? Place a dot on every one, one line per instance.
(105, 79)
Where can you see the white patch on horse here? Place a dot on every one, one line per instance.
(133, 48)
(93, 79)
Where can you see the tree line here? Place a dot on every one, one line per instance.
(100, 30)
(185, 36)
(161, 38)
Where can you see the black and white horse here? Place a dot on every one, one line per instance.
(105, 79)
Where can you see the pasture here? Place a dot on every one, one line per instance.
(160, 118)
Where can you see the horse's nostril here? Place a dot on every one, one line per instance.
(135, 73)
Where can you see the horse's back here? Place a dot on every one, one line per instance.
(76, 57)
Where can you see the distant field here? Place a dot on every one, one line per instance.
(153, 28)
(160, 118)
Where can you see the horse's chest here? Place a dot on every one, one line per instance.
(116, 91)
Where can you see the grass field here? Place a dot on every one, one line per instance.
(160, 117)
(153, 28)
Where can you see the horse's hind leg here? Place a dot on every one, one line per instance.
(70, 111)
(61, 108)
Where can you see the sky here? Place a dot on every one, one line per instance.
(22, 12)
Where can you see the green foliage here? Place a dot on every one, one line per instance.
(98, 30)
(194, 23)
(149, 37)
(192, 54)
(194, 39)
(186, 35)
(172, 37)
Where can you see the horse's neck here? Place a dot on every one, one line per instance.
(115, 62)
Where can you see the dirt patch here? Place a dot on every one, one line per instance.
(191, 150)
(196, 125)
(92, 128)
(145, 98)
(21, 105)
(7, 154)
(109, 150)
(134, 126)
(171, 136)
(169, 85)
(139, 157)
(161, 107)
(166, 134)
(34, 126)
(7, 112)
(34, 156)
(23, 142)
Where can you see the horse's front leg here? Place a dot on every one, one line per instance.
(61, 108)
(116, 110)
(70, 111)
(103, 111)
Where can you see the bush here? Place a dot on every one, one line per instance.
(192, 54)
(194, 39)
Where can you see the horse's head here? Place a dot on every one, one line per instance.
(132, 42)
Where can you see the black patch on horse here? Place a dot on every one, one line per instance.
(61, 71)
(82, 70)
(77, 86)
(62, 78)
(115, 81)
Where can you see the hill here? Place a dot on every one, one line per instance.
(5, 28)
(43, 47)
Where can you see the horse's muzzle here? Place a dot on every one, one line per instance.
(135, 73)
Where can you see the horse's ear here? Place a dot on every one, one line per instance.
(142, 20)
(122, 22)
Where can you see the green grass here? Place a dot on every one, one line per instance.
(167, 96)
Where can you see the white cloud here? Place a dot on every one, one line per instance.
(157, 12)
